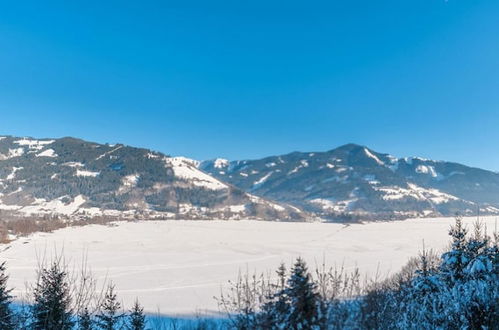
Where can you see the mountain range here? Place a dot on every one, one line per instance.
(75, 178)
(69, 177)
(354, 182)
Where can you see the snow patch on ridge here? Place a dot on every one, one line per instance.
(186, 169)
(303, 163)
(47, 153)
(409, 160)
(333, 205)
(15, 152)
(371, 155)
(235, 208)
(33, 144)
(426, 169)
(394, 163)
(54, 206)
(262, 180)
(371, 179)
(12, 174)
(85, 173)
(220, 163)
(416, 192)
(109, 152)
(258, 200)
(130, 180)
(73, 164)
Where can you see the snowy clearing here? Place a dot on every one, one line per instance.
(87, 173)
(177, 267)
(47, 153)
(34, 144)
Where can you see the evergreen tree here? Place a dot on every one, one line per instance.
(6, 316)
(274, 312)
(85, 320)
(303, 298)
(281, 275)
(281, 307)
(109, 316)
(454, 261)
(424, 281)
(137, 319)
(493, 253)
(478, 249)
(52, 300)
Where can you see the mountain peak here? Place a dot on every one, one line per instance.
(349, 147)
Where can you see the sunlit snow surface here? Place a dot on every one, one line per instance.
(177, 267)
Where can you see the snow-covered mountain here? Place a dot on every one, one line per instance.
(353, 181)
(77, 178)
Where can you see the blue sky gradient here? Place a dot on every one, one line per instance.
(247, 79)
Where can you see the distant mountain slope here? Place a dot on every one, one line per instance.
(73, 177)
(353, 181)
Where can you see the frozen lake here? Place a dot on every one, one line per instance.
(177, 267)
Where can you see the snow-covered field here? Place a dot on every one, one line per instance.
(177, 267)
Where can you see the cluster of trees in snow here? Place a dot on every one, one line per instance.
(59, 301)
(14, 226)
(457, 290)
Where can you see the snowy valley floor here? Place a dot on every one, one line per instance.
(177, 267)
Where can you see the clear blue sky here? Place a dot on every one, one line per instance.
(246, 79)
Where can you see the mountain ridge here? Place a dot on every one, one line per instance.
(72, 177)
(76, 178)
(353, 181)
